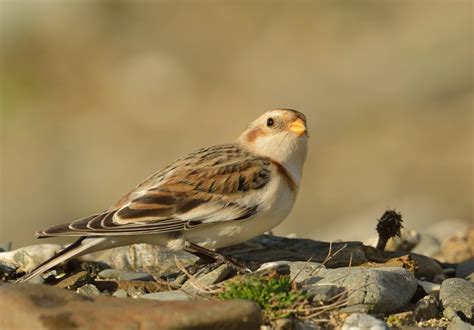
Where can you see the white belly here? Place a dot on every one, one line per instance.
(279, 201)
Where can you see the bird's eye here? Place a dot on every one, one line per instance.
(270, 122)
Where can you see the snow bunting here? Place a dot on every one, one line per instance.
(212, 198)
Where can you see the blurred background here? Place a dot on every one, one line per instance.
(97, 95)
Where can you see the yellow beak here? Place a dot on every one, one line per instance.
(298, 127)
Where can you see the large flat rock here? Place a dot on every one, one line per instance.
(267, 248)
(30, 306)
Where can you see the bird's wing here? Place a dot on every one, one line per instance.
(214, 184)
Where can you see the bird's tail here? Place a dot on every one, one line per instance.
(79, 247)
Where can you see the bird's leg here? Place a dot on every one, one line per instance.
(201, 251)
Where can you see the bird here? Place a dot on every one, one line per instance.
(212, 198)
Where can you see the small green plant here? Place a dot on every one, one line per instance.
(275, 294)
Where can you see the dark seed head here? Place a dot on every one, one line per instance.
(389, 224)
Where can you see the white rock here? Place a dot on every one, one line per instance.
(360, 321)
(26, 258)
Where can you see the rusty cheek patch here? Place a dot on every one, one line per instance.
(254, 134)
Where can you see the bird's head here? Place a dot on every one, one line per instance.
(282, 136)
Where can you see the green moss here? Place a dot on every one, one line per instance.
(275, 295)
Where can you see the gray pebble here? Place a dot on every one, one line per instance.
(166, 295)
(384, 289)
(205, 280)
(88, 290)
(458, 294)
(120, 293)
(27, 258)
(426, 308)
(359, 321)
(125, 275)
(323, 293)
(300, 271)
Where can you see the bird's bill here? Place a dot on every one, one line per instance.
(298, 127)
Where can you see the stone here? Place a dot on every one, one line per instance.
(27, 258)
(300, 271)
(167, 295)
(359, 321)
(359, 308)
(266, 248)
(148, 258)
(466, 270)
(88, 290)
(458, 294)
(125, 275)
(28, 306)
(323, 293)
(427, 269)
(426, 308)
(205, 280)
(458, 324)
(384, 289)
(120, 293)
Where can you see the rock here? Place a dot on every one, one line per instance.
(266, 248)
(426, 308)
(458, 248)
(301, 271)
(359, 321)
(120, 293)
(27, 258)
(360, 308)
(27, 306)
(427, 269)
(323, 293)
(466, 270)
(88, 290)
(148, 258)
(428, 245)
(125, 275)
(457, 294)
(205, 280)
(167, 295)
(458, 324)
(384, 290)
